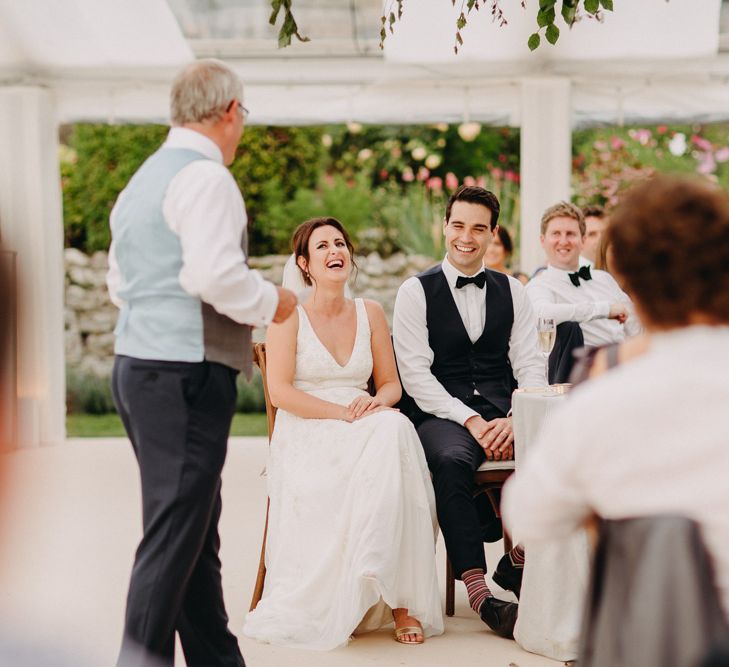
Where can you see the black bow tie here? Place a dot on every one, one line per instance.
(583, 273)
(479, 280)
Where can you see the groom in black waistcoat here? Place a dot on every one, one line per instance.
(465, 337)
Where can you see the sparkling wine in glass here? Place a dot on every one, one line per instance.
(547, 335)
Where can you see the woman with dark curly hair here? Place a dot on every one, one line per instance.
(650, 437)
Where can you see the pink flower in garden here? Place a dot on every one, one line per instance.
(700, 142)
(662, 129)
(407, 175)
(707, 164)
(497, 173)
(384, 174)
(328, 179)
(481, 181)
(451, 181)
(642, 136)
(722, 155)
(616, 143)
(599, 145)
(502, 158)
(435, 184)
(423, 173)
(469, 180)
(511, 176)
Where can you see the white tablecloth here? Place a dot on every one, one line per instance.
(555, 573)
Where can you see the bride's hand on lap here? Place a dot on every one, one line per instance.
(363, 406)
(360, 405)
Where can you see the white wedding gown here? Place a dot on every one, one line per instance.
(352, 524)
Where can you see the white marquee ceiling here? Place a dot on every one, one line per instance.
(112, 61)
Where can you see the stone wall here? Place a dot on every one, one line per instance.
(90, 315)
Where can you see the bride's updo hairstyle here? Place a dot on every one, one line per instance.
(300, 241)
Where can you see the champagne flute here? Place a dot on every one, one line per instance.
(547, 335)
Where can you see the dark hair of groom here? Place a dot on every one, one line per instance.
(473, 194)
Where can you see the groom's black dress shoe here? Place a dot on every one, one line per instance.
(508, 576)
(500, 616)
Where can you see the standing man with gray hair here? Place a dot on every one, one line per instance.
(188, 300)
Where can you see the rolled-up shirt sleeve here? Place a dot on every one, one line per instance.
(545, 305)
(204, 207)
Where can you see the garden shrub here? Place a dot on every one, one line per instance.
(88, 393)
(250, 394)
(97, 161)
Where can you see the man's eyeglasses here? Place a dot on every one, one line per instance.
(243, 111)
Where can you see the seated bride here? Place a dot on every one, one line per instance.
(351, 538)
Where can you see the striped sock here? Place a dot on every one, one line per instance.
(516, 556)
(476, 588)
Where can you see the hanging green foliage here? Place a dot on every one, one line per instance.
(571, 11)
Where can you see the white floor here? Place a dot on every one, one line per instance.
(68, 538)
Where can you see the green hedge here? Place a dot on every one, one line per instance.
(87, 393)
(287, 174)
(97, 161)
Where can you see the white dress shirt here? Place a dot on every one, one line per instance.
(204, 208)
(649, 437)
(415, 356)
(553, 295)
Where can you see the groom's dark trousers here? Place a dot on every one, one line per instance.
(177, 416)
(453, 456)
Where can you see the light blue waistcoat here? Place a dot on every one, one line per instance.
(159, 320)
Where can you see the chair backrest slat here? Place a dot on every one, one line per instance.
(259, 356)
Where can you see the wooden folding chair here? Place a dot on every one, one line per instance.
(259, 357)
(488, 479)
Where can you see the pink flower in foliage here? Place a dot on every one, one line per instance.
(423, 173)
(722, 155)
(384, 174)
(662, 129)
(707, 164)
(497, 173)
(407, 175)
(511, 176)
(502, 158)
(642, 136)
(616, 143)
(469, 180)
(700, 142)
(481, 182)
(451, 181)
(599, 145)
(435, 184)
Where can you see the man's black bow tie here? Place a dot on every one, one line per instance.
(583, 273)
(479, 280)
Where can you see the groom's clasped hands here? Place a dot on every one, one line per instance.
(496, 436)
(363, 406)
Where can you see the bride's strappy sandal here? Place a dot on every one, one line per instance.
(412, 630)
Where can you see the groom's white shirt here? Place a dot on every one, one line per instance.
(415, 356)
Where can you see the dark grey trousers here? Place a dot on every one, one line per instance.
(178, 417)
